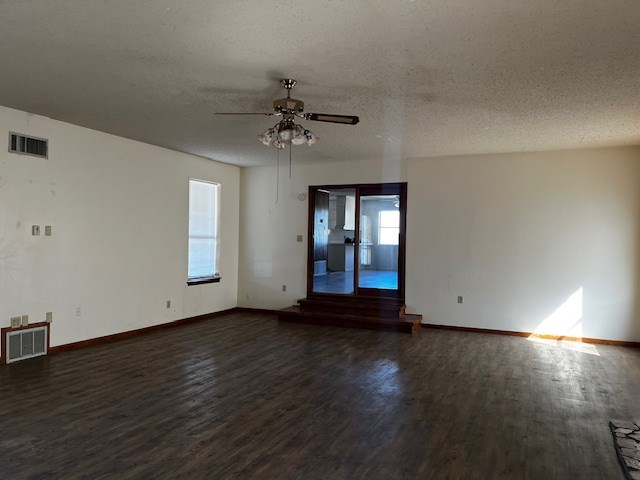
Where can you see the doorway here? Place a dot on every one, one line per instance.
(357, 245)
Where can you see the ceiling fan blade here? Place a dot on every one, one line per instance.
(269, 114)
(325, 117)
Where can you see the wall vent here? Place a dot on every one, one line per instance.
(26, 343)
(26, 145)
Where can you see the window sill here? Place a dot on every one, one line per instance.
(200, 281)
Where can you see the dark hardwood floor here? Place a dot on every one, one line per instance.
(245, 397)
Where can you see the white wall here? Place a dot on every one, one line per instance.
(270, 255)
(546, 242)
(119, 211)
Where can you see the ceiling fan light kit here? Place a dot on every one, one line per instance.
(286, 131)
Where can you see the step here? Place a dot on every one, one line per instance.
(374, 307)
(406, 323)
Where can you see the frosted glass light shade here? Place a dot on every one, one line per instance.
(286, 134)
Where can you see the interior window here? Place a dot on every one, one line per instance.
(389, 227)
(203, 231)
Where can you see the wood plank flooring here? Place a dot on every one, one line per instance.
(244, 397)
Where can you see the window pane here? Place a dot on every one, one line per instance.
(378, 266)
(390, 218)
(389, 236)
(389, 227)
(203, 228)
(201, 257)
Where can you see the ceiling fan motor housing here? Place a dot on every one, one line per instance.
(288, 83)
(288, 105)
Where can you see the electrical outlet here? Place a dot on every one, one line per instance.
(49, 317)
(299, 238)
(47, 230)
(460, 299)
(284, 288)
(168, 303)
(16, 322)
(35, 230)
(24, 320)
(78, 312)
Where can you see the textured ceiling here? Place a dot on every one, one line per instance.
(427, 78)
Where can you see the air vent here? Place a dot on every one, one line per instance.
(26, 145)
(27, 343)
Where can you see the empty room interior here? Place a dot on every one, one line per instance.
(320, 239)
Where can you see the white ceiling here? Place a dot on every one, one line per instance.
(427, 78)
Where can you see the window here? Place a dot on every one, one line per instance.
(204, 245)
(389, 227)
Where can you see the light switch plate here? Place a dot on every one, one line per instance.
(299, 238)
(47, 230)
(49, 317)
(35, 230)
(15, 322)
(25, 320)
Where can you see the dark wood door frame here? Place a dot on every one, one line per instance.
(321, 222)
(400, 189)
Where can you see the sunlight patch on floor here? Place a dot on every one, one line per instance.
(575, 346)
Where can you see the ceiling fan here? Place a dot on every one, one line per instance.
(286, 131)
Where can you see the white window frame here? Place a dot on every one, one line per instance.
(215, 276)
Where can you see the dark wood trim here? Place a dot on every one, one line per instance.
(393, 188)
(5, 330)
(356, 248)
(402, 248)
(134, 333)
(310, 238)
(201, 281)
(597, 341)
(389, 185)
(399, 189)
